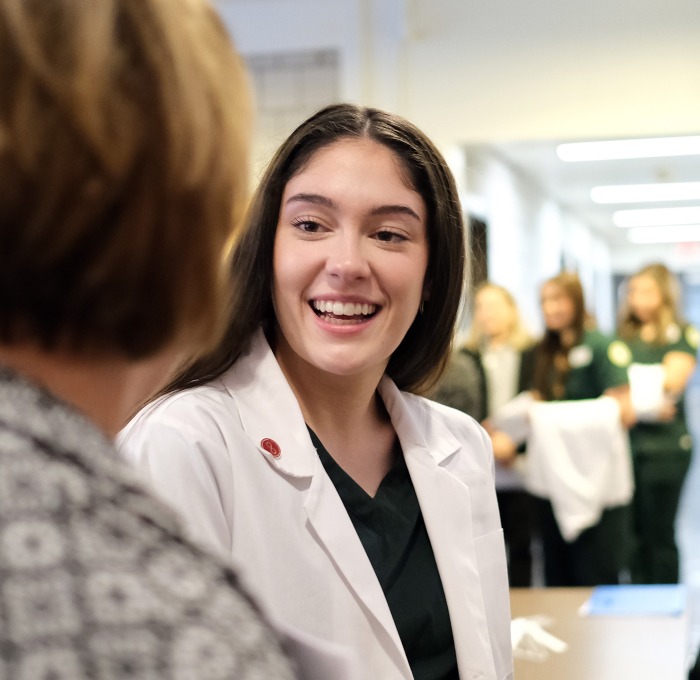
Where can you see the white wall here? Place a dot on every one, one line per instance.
(508, 69)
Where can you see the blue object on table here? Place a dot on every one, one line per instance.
(636, 600)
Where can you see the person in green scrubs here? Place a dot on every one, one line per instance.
(652, 326)
(574, 362)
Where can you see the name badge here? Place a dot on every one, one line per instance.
(580, 356)
(673, 333)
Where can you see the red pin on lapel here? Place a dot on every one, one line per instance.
(272, 447)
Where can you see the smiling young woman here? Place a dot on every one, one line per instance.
(363, 514)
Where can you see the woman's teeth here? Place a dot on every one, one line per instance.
(346, 309)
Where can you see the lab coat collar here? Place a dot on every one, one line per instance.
(269, 411)
(414, 425)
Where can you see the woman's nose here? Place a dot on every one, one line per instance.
(347, 258)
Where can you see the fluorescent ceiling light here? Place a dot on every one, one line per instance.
(650, 217)
(646, 193)
(629, 148)
(677, 233)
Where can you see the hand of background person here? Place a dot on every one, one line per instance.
(621, 394)
(667, 412)
(504, 448)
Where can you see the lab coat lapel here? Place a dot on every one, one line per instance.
(446, 508)
(335, 531)
(259, 387)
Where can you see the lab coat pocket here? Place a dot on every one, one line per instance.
(491, 558)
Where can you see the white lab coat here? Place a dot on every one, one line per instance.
(579, 458)
(283, 525)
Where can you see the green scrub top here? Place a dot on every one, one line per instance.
(392, 531)
(597, 364)
(660, 438)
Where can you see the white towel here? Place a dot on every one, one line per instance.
(579, 458)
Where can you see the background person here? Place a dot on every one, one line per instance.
(499, 336)
(362, 513)
(573, 362)
(652, 325)
(122, 160)
(463, 384)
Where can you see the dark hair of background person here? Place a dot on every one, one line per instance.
(670, 313)
(551, 356)
(123, 168)
(421, 357)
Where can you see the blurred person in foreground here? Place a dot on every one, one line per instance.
(664, 349)
(122, 165)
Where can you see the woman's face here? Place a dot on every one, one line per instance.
(558, 308)
(350, 258)
(492, 313)
(644, 298)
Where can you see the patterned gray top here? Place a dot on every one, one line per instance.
(96, 579)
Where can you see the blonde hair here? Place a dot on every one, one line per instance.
(518, 336)
(669, 288)
(123, 167)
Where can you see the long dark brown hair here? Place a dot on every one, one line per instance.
(419, 360)
(552, 355)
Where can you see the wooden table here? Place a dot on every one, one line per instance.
(601, 648)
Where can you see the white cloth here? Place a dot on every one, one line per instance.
(579, 458)
(281, 521)
(647, 390)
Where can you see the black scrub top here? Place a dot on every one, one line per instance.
(392, 531)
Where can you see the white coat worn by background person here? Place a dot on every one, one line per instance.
(279, 518)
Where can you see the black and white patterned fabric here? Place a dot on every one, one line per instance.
(96, 579)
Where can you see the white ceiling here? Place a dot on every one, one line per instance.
(571, 183)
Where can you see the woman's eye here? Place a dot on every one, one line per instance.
(388, 236)
(308, 226)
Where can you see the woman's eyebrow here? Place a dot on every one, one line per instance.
(394, 209)
(316, 199)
